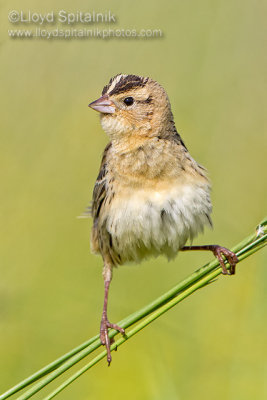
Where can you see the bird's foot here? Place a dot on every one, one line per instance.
(231, 257)
(105, 339)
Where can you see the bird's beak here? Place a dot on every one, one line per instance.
(103, 105)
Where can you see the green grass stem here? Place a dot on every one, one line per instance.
(146, 315)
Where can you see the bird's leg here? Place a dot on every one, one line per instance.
(219, 251)
(105, 324)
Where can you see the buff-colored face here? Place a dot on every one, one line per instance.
(132, 105)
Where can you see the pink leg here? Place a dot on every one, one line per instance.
(105, 324)
(219, 251)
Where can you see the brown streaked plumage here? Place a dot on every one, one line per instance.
(150, 196)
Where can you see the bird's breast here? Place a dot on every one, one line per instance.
(147, 221)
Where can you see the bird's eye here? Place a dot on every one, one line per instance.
(128, 101)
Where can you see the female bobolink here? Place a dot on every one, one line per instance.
(150, 196)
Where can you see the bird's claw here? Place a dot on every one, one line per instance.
(104, 337)
(231, 257)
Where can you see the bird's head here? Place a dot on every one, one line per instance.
(132, 105)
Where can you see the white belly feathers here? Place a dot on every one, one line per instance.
(149, 223)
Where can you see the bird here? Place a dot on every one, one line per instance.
(150, 197)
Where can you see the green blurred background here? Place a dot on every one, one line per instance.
(211, 62)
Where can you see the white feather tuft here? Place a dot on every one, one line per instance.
(151, 223)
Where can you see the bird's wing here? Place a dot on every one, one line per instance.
(99, 192)
(177, 139)
(99, 195)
